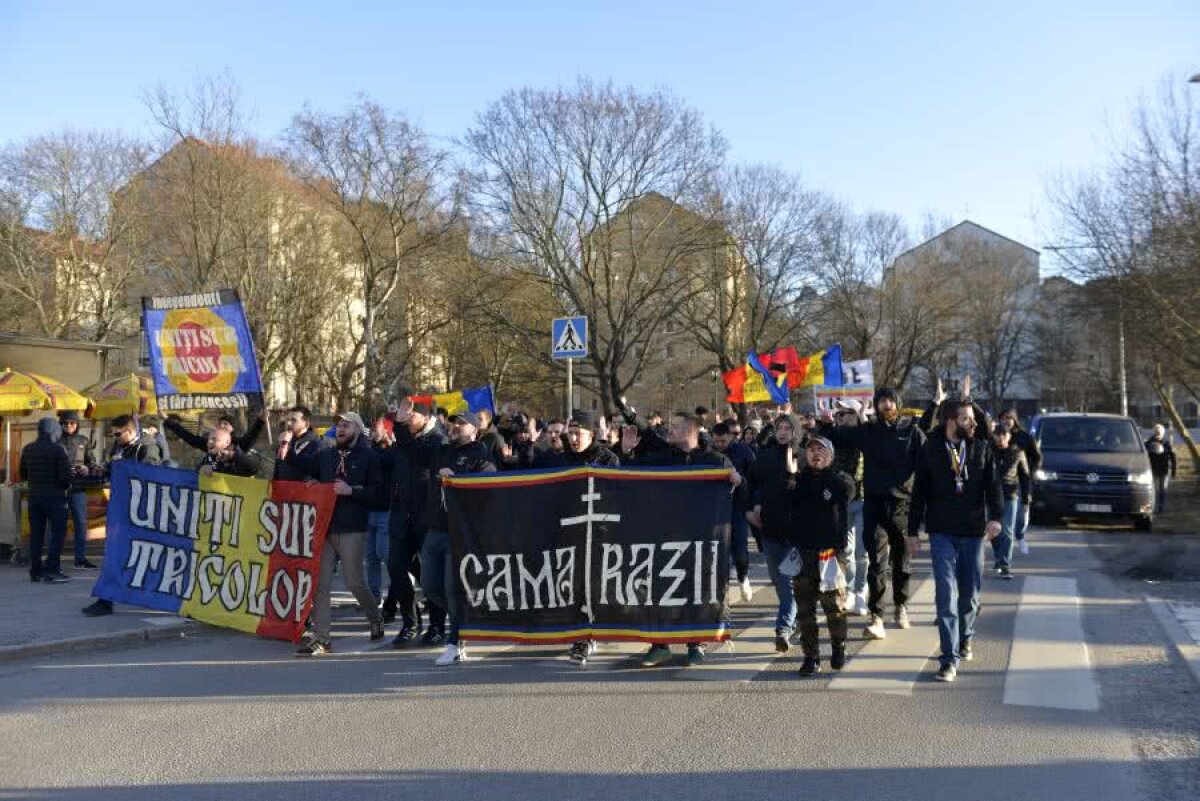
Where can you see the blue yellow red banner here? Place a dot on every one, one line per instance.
(201, 352)
(235, 552)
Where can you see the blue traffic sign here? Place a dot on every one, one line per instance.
(568, 338)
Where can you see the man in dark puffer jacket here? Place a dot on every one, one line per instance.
(46, 468)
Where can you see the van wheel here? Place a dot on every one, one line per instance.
(1143, 522)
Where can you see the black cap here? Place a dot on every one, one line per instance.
(68, 415)
(465, 417)
(423, 407)
(584, 419)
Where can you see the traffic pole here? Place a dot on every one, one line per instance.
(570, 386)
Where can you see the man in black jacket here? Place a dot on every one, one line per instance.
(79, 451)
(1162, 465)
(957, 497)
(889, 445)
(297, 437)
(419, 437)
(439, 577)
(46, 469)
(819, 531)
(742, 458)
(770, 513)
(352, 466)
(685, 449)
(244, 441)
(127, 444)
(223, 457)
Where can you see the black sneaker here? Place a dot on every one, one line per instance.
(35, 576)
(782, 643)
(376, 630)
(811, 666)
(965, 652)
(54, 577)
(579, 652)
(1006, 573)
(98, 608)
(84, 564)
(407, 634)
(432, 637)
(947, 673)
(695, 656)
(838, 660)
(314, 647)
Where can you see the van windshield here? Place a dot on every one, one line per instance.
(1097, 436)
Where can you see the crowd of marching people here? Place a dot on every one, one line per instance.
(835, 505)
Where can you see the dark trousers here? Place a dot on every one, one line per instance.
(77, 505)
(884, 521)
(406, 536)
(806, 588)
(46, 510)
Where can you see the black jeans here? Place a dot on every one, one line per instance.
(884, 521)
(46, 510)
(405, 537)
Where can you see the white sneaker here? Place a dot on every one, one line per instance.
(860, 604)
(452, 654)
(747, 590)
(1023, 547)
(875, 629)
(902, 618)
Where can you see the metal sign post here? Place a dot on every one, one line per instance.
(568, 340)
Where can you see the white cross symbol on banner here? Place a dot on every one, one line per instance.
(592, 516)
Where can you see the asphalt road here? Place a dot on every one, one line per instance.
(221, 715)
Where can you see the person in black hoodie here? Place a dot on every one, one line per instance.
(683, 449)
(742, 458)
(1033, 459)
(1015, 482)
(889, 445)
(819, 529)
(957, 497)
(225, 458)
(419, 437)
(770, 514)
(45, 467)
(352, 466)
(439, 578)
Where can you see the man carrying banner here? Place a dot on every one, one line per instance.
(439, 579)
(127, 444)
(419, 437)
(958, 499)
(352, 466)
(684, 441)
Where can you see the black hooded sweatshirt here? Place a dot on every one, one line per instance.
(44, 465)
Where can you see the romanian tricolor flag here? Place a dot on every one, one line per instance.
(463, 400)
(770, 378)
(236, 552)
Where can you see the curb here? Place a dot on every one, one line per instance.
(9, 653)
(1188, 650)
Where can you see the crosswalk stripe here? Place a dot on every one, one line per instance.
(892, 666)
(1048, 665)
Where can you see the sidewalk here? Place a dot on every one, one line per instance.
(46, 618)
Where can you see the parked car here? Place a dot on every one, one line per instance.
(1094, 466)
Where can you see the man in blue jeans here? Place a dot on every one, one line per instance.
(848, 414)
(770, 513)
(957, 496)
(742, 458)
(82, 462)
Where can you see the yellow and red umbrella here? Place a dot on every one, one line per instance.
(21, 393)
(129, 394)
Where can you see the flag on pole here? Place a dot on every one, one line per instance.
(462, 400)
(823, 368)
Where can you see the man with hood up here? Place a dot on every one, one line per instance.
(46, 468)
(889, 445)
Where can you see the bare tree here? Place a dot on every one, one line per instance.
(755, 287)
(69, 251)
(385, 183)
(595, 194)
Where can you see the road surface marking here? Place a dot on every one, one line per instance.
(893, 665)
(1048, 665)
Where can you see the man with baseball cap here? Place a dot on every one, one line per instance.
(439, 578)
(352, 466)
(818, 532)
(79, 452)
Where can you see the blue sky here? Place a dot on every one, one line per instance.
(913, 107)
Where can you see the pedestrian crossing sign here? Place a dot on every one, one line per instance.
(568, 338)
